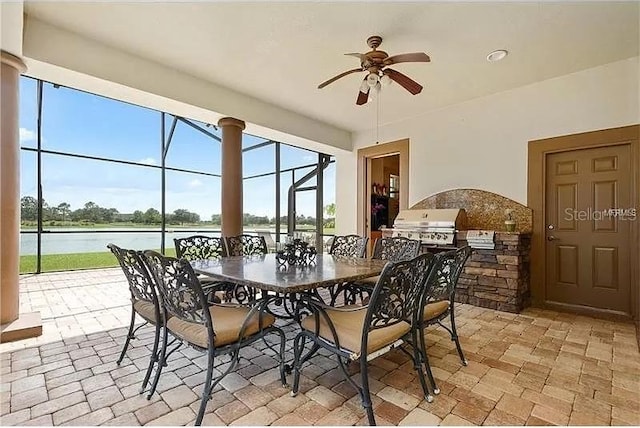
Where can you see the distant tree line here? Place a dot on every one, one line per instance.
(93, 213)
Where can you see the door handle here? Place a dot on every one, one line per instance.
(552, 238)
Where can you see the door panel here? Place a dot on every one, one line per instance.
(588, 246)
(604, 265)
(566, 199)
(604, 197)
(567, 265)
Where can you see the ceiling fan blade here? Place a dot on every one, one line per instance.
(364, 61)
(363, 97)
(404, 81)
(407, 57)
(356, 54)
(333, 79)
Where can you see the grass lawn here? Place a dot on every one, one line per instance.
(73, 261)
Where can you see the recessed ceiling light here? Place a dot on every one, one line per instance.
(497, 55)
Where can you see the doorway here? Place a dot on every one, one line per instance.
(383, 181)
(583, 189)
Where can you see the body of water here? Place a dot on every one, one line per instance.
(65, 243)
(74, 242)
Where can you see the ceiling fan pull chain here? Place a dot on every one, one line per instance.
(378, 117)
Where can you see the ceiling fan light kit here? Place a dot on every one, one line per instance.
(374, 63)
(372, 79)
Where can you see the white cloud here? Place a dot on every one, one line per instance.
(27, 135)
(148, 161)
(195, 183)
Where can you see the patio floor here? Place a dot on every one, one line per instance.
(536, 368)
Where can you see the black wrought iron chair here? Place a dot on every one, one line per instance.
(243, 245)
(216, 329)
(393, 249)
(144, 302)
(246, 245)
(364, 333)
(437, 302)
(347, 246)
(201, 247)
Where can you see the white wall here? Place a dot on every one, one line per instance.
(482, 143)
(11, 24)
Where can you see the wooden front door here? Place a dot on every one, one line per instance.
(588, 227)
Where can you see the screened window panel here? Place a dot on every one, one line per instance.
(82, 123)
(108, 185)
(196, 193)
(28, 109)
(259, 200)
(249, 140)
(191, 149)
(292, 157)
(259, 161)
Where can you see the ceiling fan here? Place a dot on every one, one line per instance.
(374, 63)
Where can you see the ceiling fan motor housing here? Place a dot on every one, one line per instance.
(374, 41)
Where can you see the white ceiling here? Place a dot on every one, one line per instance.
(281, 52)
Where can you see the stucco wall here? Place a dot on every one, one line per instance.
(482, 143)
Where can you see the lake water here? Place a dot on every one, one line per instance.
(65, 243)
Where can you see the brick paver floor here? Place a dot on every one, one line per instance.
(536, 368)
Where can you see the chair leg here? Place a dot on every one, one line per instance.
(298, 347)
(153, 358)
(425, 361)
(454, 337)
(417, 360)
(206, 391)
(161, 362)
(129, 336)
(345, 371)
(365, 394)
(283, 341)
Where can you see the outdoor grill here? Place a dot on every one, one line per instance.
(433, 227)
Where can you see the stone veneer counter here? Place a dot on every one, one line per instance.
(499, 278)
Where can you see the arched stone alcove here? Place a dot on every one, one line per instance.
(485, 210)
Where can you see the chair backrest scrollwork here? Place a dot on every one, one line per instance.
(179, 287)
(200, 247)
(141, 282)
(246, 245)
(349, 246)
(396, 248)
(448, 266)
(397, 293)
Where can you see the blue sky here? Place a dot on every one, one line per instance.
(86, 124)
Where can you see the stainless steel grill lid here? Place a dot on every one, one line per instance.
(430, 226)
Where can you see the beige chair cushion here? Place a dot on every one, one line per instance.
(349, 325)
(435, 309)
(227, 322)
(146, 309)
